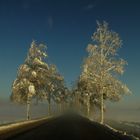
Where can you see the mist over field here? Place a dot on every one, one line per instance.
(119, 112)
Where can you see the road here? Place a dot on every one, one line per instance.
(69, 127)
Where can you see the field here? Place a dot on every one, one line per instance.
(132, 128)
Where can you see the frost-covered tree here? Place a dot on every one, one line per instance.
(60, 93)
(61, 98)
(103, 66)
(85, 93)
(55, 87)
(32, 77)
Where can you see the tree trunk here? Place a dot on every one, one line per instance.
(88, 107)
(49, 107)
(60, 107)
(77, 101)
(28, 109)
(92, 111)
(102, 109)
(63, 106)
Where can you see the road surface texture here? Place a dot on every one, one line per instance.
(68, 127)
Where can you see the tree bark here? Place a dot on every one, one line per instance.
(93, 113)
(49, 107)
(102, 109)
(60, 107)
(88, 107)
(28, 109)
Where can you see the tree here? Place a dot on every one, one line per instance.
(32, 77)
(86, 92)
(55, 86)
(60, 94)
(103, 66)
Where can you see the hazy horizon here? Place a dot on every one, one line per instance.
(118, 111)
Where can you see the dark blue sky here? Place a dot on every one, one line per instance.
(66, 27)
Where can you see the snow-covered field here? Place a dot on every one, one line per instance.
(131, 124)
(132, 128)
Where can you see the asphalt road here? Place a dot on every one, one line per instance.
(69, 127)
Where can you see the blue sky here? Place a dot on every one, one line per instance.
(66, 26)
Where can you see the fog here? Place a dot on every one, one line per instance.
(10, 112)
